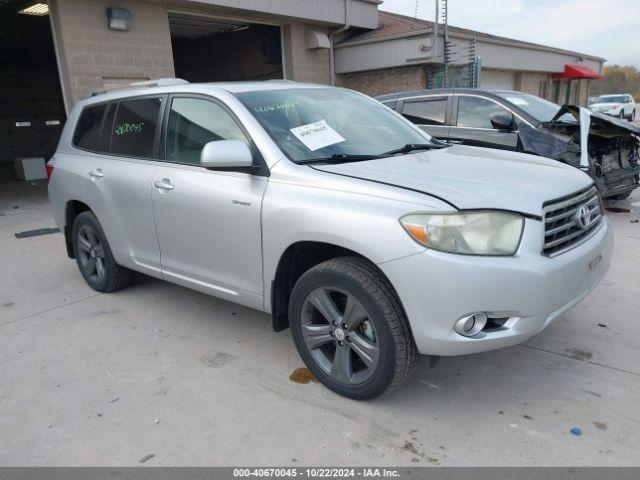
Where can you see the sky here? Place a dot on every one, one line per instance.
(604, 28)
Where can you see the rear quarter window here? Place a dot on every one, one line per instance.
(87, 133)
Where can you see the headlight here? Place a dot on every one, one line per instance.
(473, 233)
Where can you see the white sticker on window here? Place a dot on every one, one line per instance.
(517, 101)
(317, 135)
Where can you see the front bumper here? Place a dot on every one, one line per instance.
(618, 182)
(529, 289)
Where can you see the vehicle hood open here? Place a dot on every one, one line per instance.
(473, 178)
(599, 119)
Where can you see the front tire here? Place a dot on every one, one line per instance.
(94, 258)
(350, 328)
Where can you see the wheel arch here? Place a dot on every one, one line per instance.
(296, 259)
(73, 208)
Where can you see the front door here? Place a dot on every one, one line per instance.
(208, 221)
(471, 125)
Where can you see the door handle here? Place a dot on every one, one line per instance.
(97, 173)
(164, 184)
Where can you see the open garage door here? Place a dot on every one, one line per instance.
(31, 104)
(207, 49)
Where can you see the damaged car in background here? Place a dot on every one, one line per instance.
(604, 147)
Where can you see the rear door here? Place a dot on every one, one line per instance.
(119, 178)
(429, 112)
(471, 123)
(208, 221)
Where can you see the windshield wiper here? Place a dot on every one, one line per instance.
(342, 157)
(346, 157)
(411, 147)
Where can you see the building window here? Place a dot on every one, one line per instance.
(555, 90)
(576, 92)
(564, 92)
(542, 91)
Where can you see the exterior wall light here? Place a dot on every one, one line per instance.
(118, 19)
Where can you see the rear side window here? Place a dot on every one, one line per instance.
(425, 112)
(87, 134)
(134, 127)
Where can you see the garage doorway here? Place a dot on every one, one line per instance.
(497, 80)
(209, 49)
(32, 111)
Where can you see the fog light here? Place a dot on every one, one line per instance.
(471, 324)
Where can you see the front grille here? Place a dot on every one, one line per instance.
(563, 226)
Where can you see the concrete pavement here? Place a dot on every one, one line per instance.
(163, 374)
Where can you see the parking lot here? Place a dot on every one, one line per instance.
(161, 375)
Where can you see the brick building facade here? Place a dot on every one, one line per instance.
(402, 52)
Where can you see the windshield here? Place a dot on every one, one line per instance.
(539, 108)
(313, 123)
(610, 99)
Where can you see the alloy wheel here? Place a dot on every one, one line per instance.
(92, 255)
(339, 334)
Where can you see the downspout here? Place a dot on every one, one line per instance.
(332, 38)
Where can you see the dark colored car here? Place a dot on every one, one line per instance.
(604, 147)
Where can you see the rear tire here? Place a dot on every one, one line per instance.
(370, 349)
(94, 258)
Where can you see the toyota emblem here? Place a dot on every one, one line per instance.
(583, 217)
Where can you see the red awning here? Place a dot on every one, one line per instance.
(577, 71)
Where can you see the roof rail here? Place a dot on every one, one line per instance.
(159, 82)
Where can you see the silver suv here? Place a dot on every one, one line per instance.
(370, 240)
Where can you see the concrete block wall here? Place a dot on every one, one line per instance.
(92, 54)
(300, 63)
(529, 82)
(379, 82)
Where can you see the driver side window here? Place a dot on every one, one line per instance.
(194, 122)
(476, 112)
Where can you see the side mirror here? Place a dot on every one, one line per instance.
(226, 154)
(503, 122)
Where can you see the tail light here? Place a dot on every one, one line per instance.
(50, 165)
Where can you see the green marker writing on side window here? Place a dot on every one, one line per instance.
(124, 128)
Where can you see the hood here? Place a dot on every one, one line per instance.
(605, 121)
(473, 178)
(605, 105)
